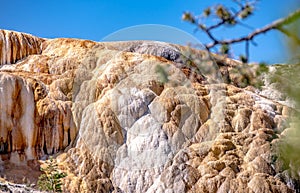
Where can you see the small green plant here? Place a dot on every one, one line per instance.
(51, 179)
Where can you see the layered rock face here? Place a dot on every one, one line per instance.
(137, 117)
(15, 46)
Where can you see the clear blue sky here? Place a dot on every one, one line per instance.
(95, 19)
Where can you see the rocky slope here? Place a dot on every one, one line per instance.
(7, 187)
(136, 116)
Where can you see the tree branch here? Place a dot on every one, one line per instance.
(223, 21)
(278, 24)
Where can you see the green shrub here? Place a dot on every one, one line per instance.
(50, 180)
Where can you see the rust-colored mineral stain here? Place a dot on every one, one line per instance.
(1, 46)
(19, 142)
(15, 46)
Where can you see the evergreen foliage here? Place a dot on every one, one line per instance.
(51, 179)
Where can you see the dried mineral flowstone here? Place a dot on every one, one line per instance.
(139, 116)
